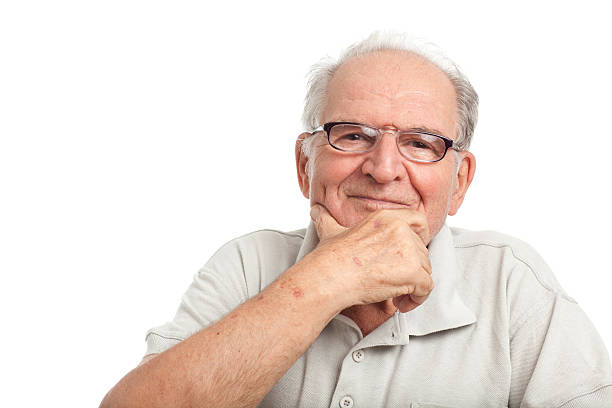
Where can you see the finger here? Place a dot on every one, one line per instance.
(422, 249)
(424, 288)
(404, 303)
(415, 219)
(417, 222)
(418, 299)
(426, 265)
(397, 301)
(326, 225)
(421, 228)
(407, 303)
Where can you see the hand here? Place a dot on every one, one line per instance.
(383, 257)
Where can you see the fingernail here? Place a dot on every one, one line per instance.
(314, 212)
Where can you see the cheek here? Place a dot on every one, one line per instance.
(330, 171)
(326, 187)
(435, 191)
(434, 184)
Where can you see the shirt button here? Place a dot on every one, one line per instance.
(358, 355)
(346, 402)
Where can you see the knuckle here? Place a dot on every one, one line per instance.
(399, 224)
(427, 266)
(380, 213)
(419, 300)
(418, 217)
(424, 289)
(428, 283)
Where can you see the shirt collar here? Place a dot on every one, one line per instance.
(311, 240)
(444, 309)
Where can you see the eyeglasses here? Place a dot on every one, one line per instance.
(417, 145)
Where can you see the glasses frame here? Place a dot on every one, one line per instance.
(448, 143)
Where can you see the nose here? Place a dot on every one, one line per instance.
(385, 163)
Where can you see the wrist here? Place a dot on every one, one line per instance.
(324, 282)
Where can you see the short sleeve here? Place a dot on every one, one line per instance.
(236, 272)
(217, 289)
(558, 358)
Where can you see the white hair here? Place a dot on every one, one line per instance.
(321, 73)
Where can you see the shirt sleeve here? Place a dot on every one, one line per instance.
(558, 358)
(218, 288)
(238, 271)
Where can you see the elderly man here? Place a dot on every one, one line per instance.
(378, 303)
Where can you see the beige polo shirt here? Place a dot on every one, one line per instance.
(497, 331)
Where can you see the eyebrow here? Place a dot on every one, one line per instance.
(416, 128)
(426, 130)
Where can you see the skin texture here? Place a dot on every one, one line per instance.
(374, 213)
(380, 89)
(387, 250)
(387, 88)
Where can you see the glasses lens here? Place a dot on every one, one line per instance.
(421, 146)
(352, 138)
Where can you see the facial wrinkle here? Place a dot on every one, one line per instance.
(404, 193)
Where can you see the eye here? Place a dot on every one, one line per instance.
(418, 144)
(354, 137)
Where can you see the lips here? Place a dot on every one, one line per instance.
(379, 202)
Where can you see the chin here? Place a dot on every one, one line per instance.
(351, 218)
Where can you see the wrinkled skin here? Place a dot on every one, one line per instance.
(387, 88)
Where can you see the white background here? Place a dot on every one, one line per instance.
(139, 136)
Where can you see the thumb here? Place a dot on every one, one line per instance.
(326, 225)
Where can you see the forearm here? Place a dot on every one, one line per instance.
(236, 361)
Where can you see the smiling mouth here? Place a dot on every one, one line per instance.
(375, 203)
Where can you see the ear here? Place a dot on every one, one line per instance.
(301, 162)
(464, 177)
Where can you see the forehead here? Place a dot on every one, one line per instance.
(392, 88)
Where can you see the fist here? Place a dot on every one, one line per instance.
(383, 257)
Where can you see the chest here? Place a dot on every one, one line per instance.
(455, 368)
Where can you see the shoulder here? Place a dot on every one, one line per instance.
(464, 238)
(257, 258)
(265, 240)
(513, 258)
(274, 234)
